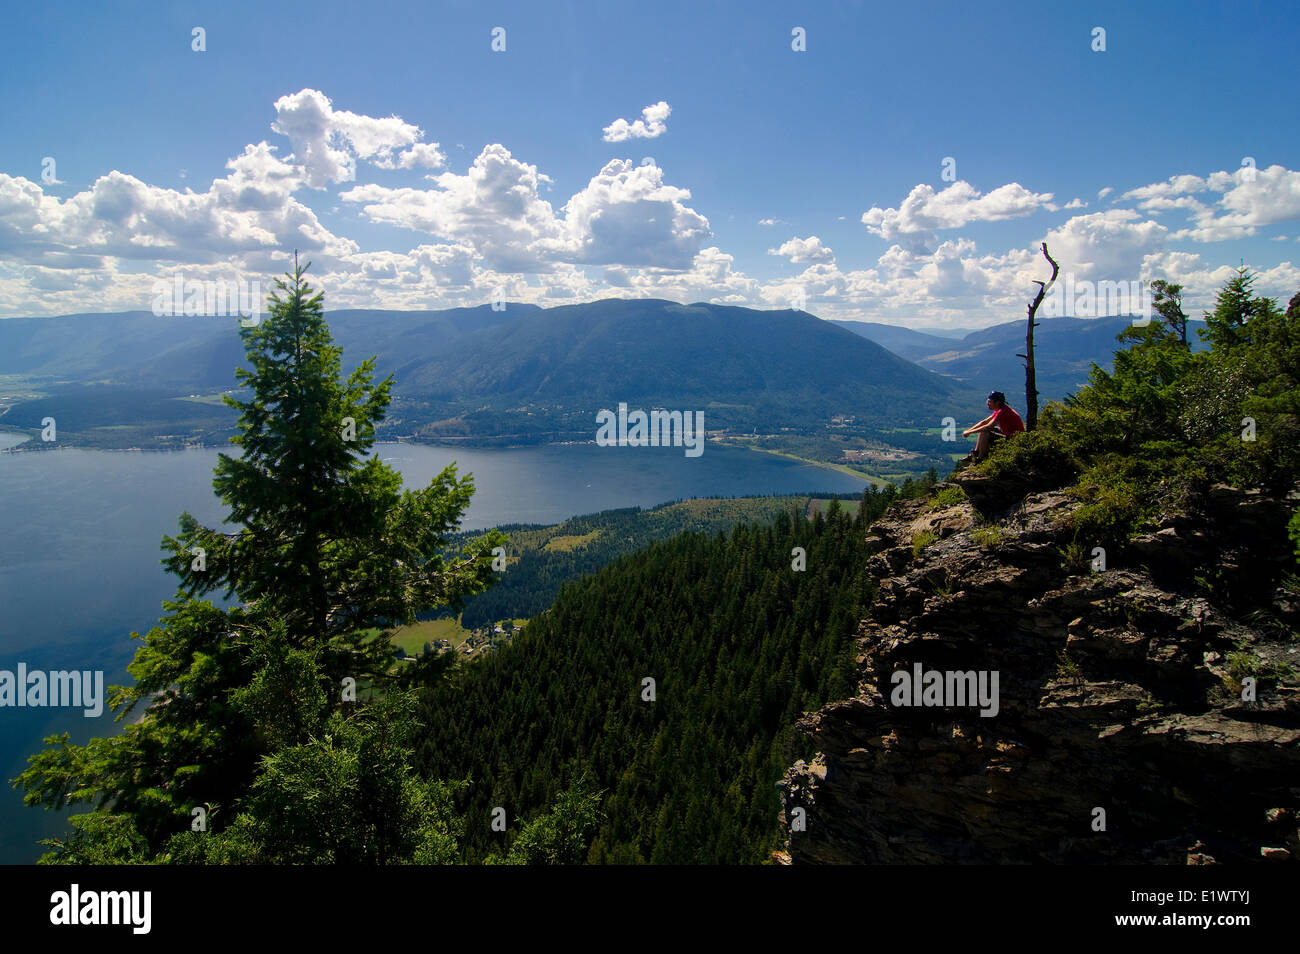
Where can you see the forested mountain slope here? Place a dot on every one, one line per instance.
(738, 643)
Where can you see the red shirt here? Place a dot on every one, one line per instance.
(1007, 421)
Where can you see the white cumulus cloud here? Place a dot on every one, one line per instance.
(1248, 199)
(250, 210)
(924, 211)
(800, 250)
(626, 215)
(327, 142)
(649, 126)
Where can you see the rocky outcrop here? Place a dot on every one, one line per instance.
(1120, 732)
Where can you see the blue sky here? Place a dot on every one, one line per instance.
(419, 168)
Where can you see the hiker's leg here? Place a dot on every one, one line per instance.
(982, 445)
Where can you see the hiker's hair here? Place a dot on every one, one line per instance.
(999, 397)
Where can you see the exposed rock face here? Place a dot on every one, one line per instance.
(1118, 690)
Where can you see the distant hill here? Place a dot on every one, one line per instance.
(524, 373)
(904, 342)
(748, 368)
(948, 332)
(138, 349)
(1064, 352)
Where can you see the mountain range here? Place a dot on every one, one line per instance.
(1064, 351)
(524, 373)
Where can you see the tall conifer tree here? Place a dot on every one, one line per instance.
(325, 552)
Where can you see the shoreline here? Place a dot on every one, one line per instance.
(878, 482)
(32, 445)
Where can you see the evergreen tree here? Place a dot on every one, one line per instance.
(346, 795)
(739, 645)
(327, 541)
(560, 836)
(327, 552)
(1273, 367)
(1226, 328)
(1167, 299)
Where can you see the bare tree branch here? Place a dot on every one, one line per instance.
(1031, 379)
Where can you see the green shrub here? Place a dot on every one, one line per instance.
(1110, 520)
(942, 589)
(989, 536)
(922, 540)
(948, 497)
(1149, 704)
(1117, 497)
(1067, 668)
(1243, 664)
(1040, 458)
(1209, 400)
(1076, 557)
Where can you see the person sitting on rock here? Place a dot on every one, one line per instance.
(1002, 423)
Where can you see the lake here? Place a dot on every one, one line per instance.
(80, 533)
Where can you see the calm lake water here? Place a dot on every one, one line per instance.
(80, 533)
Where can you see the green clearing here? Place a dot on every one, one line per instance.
(571, 542)
(20, 387)
(821, 503)
(412, 638)
(741, 441)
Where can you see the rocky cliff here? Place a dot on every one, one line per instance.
(1121, 734)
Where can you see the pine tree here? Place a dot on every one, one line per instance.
(1274, 368)
(1167, 300)
(327, 541)
(1227, 327)
(327, 551)
(560, 836)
